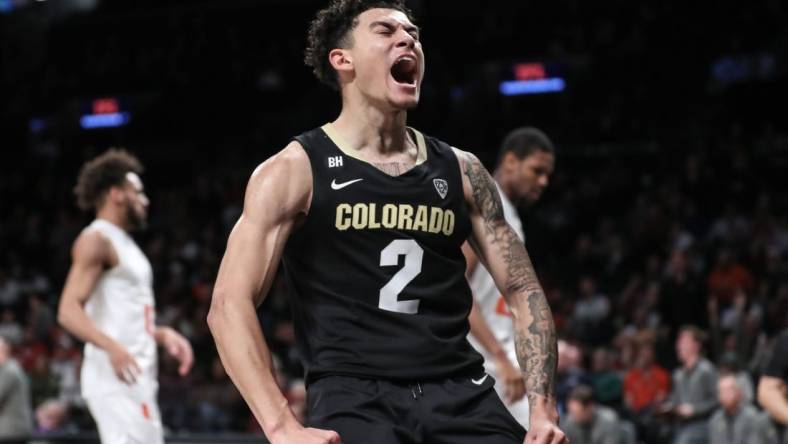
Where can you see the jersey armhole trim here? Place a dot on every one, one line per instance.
(421, 157)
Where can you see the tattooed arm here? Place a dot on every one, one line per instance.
(503, 253)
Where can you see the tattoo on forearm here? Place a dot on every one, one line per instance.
(537, 351)
(535, 340)
(520, 274)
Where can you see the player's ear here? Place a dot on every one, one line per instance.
(509, 161)
(115, 194)
(341, 60)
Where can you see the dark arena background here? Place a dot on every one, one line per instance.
(668, 206)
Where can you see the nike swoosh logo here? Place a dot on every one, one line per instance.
(339, 186)
(480, 381)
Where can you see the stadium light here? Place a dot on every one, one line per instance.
(109, 120)
(540, 86)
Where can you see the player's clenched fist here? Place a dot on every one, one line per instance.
(545, 432)
(304, 435)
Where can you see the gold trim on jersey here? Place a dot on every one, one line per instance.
(331, 132)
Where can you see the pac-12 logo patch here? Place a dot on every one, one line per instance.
(441, 186)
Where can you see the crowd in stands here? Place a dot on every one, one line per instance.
(628, 252)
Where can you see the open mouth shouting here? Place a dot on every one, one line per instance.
(405, 71)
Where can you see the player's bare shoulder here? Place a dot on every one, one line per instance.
(283, 183)
(463, 157)
(92, 247)
(472, 172)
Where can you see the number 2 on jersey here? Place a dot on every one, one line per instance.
(389, 256)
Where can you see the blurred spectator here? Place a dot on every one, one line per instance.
(694, 394)
(51, 417)
(605, 379)
(737, 421)
(218, 401)
(731, 227)
(773, 386)
(31, 350)
(729, 277)
(590, 313)
(626, 345)
(735, 330)
(10, 290)
(40, 317)
(10, 328)
(646, 385)
(16, 417)
(588, 423)
(43, 383)
(683, 301)
(570, 372)
(729, 365)
(65, 366)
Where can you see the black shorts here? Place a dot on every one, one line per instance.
(373, 411)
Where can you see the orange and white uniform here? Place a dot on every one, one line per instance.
(122, 306)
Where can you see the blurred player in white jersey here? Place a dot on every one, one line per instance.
(108, 302)
(525, 163)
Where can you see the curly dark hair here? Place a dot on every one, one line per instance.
(100, 174)
(331, 28)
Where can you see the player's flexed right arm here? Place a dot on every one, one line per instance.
(278, 194)
(500, 249)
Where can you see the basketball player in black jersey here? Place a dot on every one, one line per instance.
(368, 217)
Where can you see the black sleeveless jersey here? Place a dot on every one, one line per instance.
(376, 270)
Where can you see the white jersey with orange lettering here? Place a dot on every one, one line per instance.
(497, 316)
(122, 307)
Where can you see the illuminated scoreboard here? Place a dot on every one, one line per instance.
(532, 78)
(105, 113)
